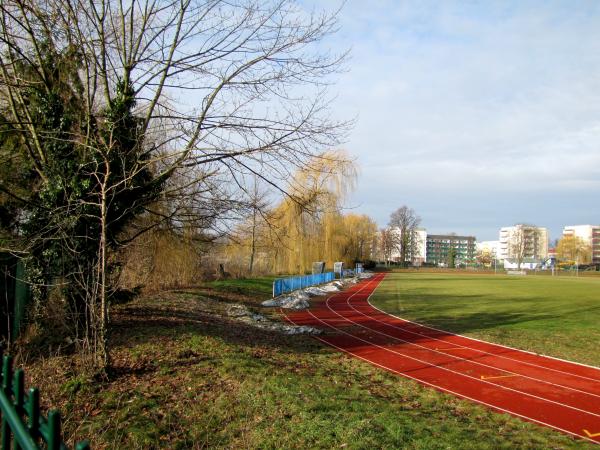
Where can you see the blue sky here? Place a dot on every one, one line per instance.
(476, 114)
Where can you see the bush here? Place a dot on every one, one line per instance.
(369, 264)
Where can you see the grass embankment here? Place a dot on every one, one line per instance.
(557, 316)
(253, 288)
(186, 376)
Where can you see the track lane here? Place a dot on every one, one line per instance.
(410, 350)
(502, 377)
(588, 390)
(574, 369)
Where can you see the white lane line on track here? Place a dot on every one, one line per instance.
(489, 343)
(460, 374)
(497, 408)
(455, 357)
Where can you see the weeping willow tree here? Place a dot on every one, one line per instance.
(308, 221)
(360, 237)
(307, 225)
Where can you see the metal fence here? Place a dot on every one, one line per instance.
(283, 285)
(23, 425)
(15, 295)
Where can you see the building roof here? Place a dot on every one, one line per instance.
(449, 236)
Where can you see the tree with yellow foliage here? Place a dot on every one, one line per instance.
(575, 249)
(360, 233)
(308, 223)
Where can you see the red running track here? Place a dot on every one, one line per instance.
(559, 394)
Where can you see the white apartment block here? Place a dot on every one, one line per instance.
(419, 253)
(590, 234)
(421, 247)
(531, 240)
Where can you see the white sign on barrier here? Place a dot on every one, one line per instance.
(338, 268)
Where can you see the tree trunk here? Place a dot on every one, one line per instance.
(103, 356)
(253, 244)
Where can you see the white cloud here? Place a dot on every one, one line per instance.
(498, 97)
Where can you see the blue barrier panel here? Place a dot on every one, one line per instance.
(283, 285)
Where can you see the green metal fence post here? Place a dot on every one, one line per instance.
(7, 375)
(19, 390)
(33, 412)
(19, 393)
(53, 430)
(6, 388)
(5, 433)
(22, 296)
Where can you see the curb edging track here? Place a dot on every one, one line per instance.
(555, 393)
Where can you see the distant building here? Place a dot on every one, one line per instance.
(420, 249)
(440, 246)
(416, 254)
(590, 234)
(523, 242)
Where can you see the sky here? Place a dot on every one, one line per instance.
(477, 115)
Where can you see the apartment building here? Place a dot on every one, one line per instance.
(523, 241)
(416, 254)
(439, 247)
(590, 234)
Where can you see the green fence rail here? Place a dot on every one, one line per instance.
(23, 426)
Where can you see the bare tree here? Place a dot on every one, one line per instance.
(257, 204)
(387, 243)
(525, 241)
(135, 92)
(406, 221)
(257, 218)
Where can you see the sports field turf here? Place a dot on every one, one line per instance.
(557, 316)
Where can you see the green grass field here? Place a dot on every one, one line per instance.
(555, 316)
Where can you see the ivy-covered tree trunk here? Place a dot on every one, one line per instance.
(84, 189)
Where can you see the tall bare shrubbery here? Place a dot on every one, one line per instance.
(161, 260)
